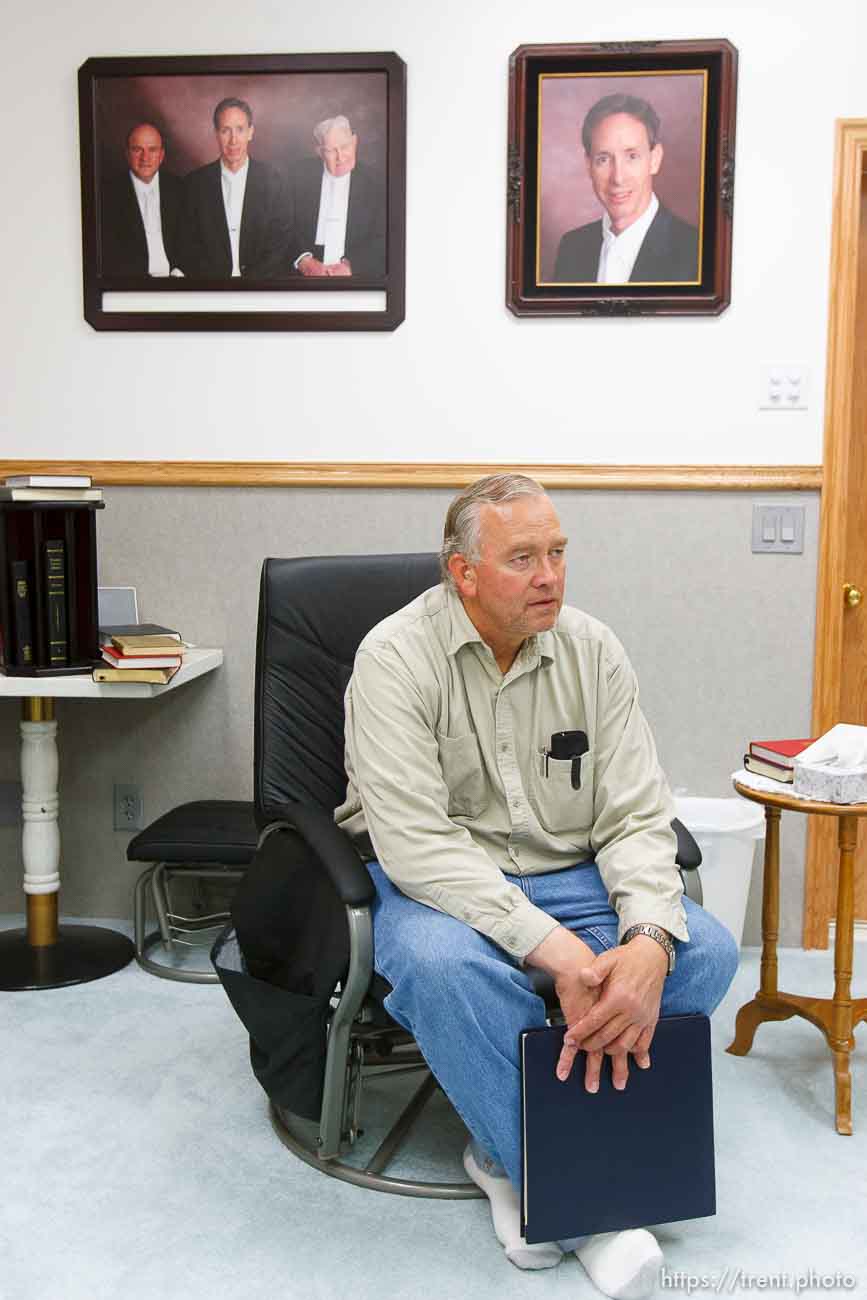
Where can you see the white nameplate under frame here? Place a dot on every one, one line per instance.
(276, 300)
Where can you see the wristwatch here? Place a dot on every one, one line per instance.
(662, 937)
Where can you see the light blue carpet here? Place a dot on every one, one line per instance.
(139, 1164)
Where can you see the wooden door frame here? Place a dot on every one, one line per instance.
(849, 167)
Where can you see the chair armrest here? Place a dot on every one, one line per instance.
(337, 855)
(332, 847)
(688, 853)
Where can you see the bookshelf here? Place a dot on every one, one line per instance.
(61, 599)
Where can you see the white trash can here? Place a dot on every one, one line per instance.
(726, 831)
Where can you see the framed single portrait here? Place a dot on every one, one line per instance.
(621, 178)
(244, 192)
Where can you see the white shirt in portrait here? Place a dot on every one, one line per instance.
(234, 187)
(148, 197)
(333, 215)
(619, 253)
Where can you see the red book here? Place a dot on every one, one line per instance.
(116, 660)
(781, 752)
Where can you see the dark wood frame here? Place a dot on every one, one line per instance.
(524, 296)
(393, 283)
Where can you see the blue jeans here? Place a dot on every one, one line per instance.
(465, 1000)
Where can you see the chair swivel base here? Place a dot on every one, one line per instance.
(291, 1132)
(81, 953)
(182, 975)
(152, 884)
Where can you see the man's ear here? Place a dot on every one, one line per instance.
(656, 155)
(464, 574)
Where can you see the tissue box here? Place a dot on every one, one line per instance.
(829, 784)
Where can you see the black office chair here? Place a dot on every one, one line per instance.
(209, 839)
(308, 994)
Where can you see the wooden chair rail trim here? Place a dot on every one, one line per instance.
(363, 474)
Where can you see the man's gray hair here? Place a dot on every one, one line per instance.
(339, 123)
(461, 534)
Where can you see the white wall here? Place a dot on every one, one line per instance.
(461, 379)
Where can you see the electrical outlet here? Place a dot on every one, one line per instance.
(127, 808)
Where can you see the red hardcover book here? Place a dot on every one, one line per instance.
(781, 752)
(114, 660)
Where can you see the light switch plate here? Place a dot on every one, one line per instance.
(778, 529)
(784, 386)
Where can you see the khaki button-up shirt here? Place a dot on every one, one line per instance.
(448, 774)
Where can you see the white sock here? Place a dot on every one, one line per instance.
(506, 1216)
(623, 1265)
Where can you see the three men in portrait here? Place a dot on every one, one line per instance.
(240, 216)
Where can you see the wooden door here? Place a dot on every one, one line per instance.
(840, 675)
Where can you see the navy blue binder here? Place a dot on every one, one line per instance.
(601, 1162)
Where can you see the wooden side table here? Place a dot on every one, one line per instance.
(47, 955)
(837, 1016)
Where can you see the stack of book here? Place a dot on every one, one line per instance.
(142, 652)
(50, 487)
(774, 758)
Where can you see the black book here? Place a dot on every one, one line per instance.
(135, 629)
(22, 618)
(54, 552)
(605, 1161)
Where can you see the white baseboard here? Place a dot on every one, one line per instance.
(860, 932)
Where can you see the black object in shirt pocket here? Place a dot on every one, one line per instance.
(560, 809)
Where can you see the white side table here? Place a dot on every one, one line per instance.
(46, 954)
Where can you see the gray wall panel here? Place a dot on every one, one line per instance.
(722, 641)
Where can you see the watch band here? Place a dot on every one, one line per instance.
(653, 932)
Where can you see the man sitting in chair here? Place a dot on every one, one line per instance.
(490, 862)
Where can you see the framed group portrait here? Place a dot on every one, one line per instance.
(244, 192)
(621, 178)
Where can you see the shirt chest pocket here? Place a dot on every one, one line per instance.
(560, 809)
(464, 775)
